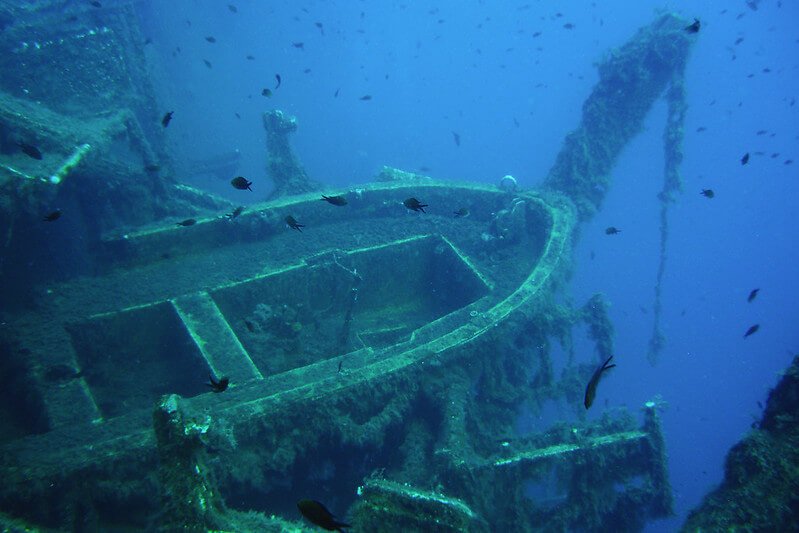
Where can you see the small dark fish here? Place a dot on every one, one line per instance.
(232, 8)
(95, 3)
(30, 150)
(461, 213)
(788, 162)
(250, 325)
(335, 200)
(50, 217)
(293, 224)
(457, 138)
(708, 193)
(761, 132)
(693, 27)
(320, 26)
(267, 93)
(250, 57)
(236, 212)
(339, 365)
(752, 330)
(590, 389)
(335, 94)
(414, 205)
(241, 183)
(568, 26)
(317, 514)
(210, 39)
(301, 46)
(187, 222)
(61, 372)
(700, 129)
(752, 295)
(739, 40)
(218, 386)
(745, 158)
(208, 63)
(306, 71)
(167, 118)
(152, 168)
(612, 230)
(759, 404)
(237, 115)
(279, 81)
(364, 98)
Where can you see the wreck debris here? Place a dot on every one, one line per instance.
(283, 166)
(650, 64)
(447, 336)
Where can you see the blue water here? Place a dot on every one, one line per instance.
(434, 68)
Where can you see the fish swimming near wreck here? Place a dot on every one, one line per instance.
(241, 183)
(335, 200)
(235, 213)
(167, 118)
(694, 27)
(218, 386)
(590, 389)
(293, 224)
(414, 205)
(30, 150)
(752, 330)
(52, 216)
(317, 514)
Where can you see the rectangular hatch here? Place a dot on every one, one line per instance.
(132, 357)
(338, 302)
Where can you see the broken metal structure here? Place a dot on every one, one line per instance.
(379, 362)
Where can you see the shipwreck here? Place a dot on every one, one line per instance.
(379, 363)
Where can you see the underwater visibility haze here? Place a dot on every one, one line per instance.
(399, 266)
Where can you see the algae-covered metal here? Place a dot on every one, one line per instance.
(443, 312)
(378, 361)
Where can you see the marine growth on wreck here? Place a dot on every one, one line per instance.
(325, 356)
